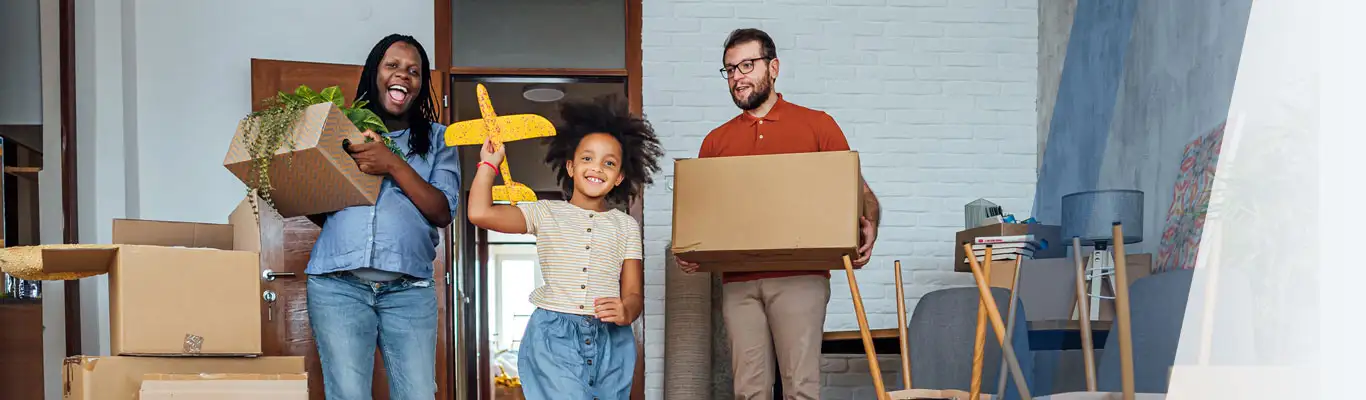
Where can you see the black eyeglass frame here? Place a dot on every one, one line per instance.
(726, 70)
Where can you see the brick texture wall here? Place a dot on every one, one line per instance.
(937, 95)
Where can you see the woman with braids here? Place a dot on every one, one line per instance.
(578, 344)
(370, 274)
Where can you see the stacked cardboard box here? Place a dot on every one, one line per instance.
(183, 299)
(768, 212)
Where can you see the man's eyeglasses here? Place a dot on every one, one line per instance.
(745, 67)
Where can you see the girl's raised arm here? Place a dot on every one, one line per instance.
(482, 212)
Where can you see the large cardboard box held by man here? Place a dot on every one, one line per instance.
(175, 288)
(769, 212)
(101, 378)
(317, 176)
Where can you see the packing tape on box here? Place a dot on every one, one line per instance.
(26, 262)
(194, 344)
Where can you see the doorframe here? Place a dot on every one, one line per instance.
(443, 15)
(473, 271)
(66, 15)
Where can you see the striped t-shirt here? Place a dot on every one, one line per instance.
(581, 252)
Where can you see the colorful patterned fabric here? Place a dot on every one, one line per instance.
(1190, 201)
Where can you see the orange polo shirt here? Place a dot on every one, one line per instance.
(788, 128)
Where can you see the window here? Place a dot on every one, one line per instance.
(585, 34)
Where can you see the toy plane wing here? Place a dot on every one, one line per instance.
(509, 128)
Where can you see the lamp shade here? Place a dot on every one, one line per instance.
(1091, 215)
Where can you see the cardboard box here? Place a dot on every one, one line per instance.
(101, 378)
(1051, 233)
(769, 212)
(318, 176)
(175, 288)
(224, 387)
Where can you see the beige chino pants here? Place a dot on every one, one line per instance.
(783, 316)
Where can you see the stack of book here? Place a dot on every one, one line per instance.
(1007, 247)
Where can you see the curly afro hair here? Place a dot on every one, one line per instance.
(610, 115)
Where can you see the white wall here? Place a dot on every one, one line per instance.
(50, 197)
(20, 76)
(192, 82)
(939, 96)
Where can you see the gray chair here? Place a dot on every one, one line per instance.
(1157, 305)
(941, 332)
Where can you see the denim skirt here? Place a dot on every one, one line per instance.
(567, 356)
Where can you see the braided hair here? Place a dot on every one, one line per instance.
(421, 114)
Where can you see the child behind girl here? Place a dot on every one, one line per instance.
(578, 343)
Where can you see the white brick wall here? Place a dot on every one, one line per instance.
(938, 96)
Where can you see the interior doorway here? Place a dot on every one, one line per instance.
(497, 272)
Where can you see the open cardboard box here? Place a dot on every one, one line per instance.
(317, 176)
(175, 288)
(768, 212)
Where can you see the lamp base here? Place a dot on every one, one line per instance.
(1100, 270)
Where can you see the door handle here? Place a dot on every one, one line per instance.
(269, 275)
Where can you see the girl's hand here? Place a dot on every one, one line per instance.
(492, 153)
(611, 309)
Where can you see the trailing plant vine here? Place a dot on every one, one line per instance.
(266, 130)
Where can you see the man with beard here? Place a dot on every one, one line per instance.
(778, 313)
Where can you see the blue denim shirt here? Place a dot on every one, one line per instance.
(392, 235)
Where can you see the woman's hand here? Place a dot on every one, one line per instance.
(374, 158)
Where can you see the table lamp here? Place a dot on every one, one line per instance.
(1090, 216)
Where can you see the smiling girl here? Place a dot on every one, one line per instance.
(578, 343)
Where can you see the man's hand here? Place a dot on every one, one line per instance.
(611, 309)
(867, 235)
(687, 267)
(374, 158)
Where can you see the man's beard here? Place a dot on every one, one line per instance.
(757, 95)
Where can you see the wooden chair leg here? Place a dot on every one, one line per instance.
(980, 340)
(1126, 344)
(1088, 354)
(901, 322)
(1010, 325)
(862, 318)
(994, 315)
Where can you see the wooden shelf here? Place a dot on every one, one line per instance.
(24, 172)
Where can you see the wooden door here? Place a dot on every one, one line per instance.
(287, 242)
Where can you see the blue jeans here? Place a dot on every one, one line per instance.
(575, 357)
(350, 316)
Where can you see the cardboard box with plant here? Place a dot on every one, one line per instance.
(293, 152)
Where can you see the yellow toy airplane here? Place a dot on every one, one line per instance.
(500, 129)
